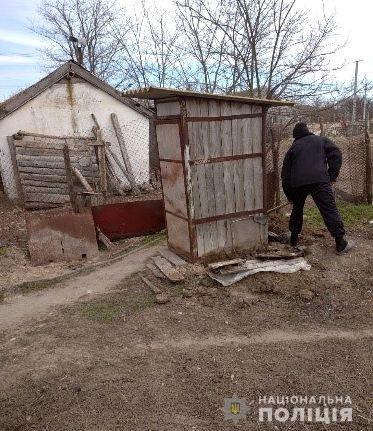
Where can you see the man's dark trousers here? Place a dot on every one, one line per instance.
(323, 196)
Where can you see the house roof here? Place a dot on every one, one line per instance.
(165, 93)
(69, 69)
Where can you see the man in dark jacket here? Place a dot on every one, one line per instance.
(311, 167)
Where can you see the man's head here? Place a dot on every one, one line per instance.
(300, 130)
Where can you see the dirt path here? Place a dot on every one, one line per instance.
(20, 308)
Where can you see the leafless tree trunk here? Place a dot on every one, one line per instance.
(92, 20)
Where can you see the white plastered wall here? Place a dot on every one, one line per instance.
(65, 110)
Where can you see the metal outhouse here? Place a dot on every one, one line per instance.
(212, 169)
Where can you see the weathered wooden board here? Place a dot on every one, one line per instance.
(167, 269)
(168, 138)
(173, 258)
(165, 109)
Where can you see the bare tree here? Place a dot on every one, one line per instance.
(149, 50)
(272, 48)
(90, 19)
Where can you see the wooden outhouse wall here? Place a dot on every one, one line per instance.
(211, 162)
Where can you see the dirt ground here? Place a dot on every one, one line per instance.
(116, 360)
(15, 267)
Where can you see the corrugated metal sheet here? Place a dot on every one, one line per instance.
(165, 93)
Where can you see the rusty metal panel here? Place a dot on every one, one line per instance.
(178, 233)
(128, 219)
(174, 188)
(168, 137)
(61, 236)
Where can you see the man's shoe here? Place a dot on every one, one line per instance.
(348, 246)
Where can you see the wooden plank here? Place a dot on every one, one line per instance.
(215, 145)
(155, 271)
(13, 157)
(82, 180)
(258, 186)
(227, 149)
(45, 190)
(33, 183)
(37, 144)
(167, 269)
(48, 198)
(35, 163)
(38, 152)
(210, 230)
(123, 149)
(173, 258)
(43, 178)
(155, 289)
(42, 171)
(247, 165)
(225, 263)
(168, 138)
(169, 108)
(112, 155)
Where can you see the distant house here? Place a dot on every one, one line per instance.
(61, 104)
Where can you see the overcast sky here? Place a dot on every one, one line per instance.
(20, 65)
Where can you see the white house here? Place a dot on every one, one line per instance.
(61, 104)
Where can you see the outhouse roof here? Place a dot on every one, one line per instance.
(158, 93)
(68, 69)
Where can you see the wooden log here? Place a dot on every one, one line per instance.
(82, 180)
(25, 151)
(123, 149)
(13, 156)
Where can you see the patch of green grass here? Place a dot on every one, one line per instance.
(352, 214)
(31, 286)
(108, 309)
(156, 237)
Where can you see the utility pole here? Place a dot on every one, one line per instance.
(365, 104)
(353, 119)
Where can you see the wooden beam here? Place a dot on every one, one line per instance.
(123, 149)
(82, 180)
(101, 158)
